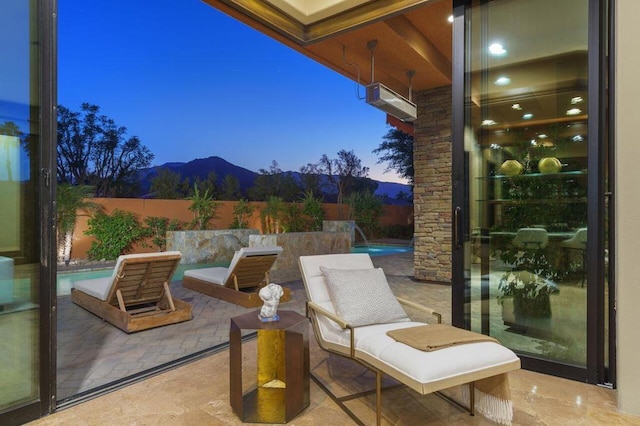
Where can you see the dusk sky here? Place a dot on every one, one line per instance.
(191, 82)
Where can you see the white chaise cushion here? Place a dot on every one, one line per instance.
(362, 296)
(96, 287)
(217, 275)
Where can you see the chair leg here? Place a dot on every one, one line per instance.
(378, 397)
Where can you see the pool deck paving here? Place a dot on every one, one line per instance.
(92, 353)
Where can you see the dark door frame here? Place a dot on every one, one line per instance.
(601, 18)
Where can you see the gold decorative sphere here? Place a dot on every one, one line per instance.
(511, 168)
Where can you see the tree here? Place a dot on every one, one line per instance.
(71, 200)
(274, 183)
(311, 179)
(397, 150)
(346, 173)
(166, 185)
(231, 188)
(210, 184)
(93, 150)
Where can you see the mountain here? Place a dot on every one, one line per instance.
(201, 167)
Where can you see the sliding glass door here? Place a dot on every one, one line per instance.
(26, 143)
(527, 203)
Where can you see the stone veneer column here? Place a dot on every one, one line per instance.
(432, 185)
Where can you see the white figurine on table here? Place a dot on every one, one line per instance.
(270, 295)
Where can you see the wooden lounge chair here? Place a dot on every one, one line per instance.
(136, 297)
(352, 310)
(241, 281)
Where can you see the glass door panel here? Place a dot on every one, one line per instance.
(525, 144)
(20, 244)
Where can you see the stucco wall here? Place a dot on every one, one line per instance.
(432, 189)
(627, 201)
(179, 209)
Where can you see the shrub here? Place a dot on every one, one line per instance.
(115, 234)
(241, 212)
(365, 210)
(203, 207)
(312, 207)
(157, 228)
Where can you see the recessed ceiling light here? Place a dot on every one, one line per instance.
(450, 18)
(576, 100)
(517, 107)
(577, 138)
(488, 122)
(502, 81)
(543, 136)
(496, 49)
(574, 111)
(495, 146)
(527, 116)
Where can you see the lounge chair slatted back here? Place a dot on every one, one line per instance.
(137, 296)
(241, 281)
(251, 271)
(142, 281)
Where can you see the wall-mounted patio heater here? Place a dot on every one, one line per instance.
(390, 102)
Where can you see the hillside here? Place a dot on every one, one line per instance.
(201, 167)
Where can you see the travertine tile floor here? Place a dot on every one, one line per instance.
(197, 393)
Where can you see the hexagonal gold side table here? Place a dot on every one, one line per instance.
(281, 388)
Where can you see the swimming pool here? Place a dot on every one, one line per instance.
(65, 280)
(381, 250)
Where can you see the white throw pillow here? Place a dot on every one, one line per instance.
(362, 296)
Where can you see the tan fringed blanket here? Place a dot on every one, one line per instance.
(493, 397)
(433, 337)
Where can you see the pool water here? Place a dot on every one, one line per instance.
(65, 280)
(380, 250)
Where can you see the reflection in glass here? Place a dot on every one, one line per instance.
(19, 243)
(526, 140)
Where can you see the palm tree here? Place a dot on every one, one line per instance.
(71, 199)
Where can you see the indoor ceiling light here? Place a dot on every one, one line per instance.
(574, 111)
(527, 116)
(450, 18)
(496, 49)
(543, 136)
(502, 81)
(577, 138)
(517, 107)
(488, 122)
(576, 100)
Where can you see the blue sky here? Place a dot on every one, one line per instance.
(191, 82)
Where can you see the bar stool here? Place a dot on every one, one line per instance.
(578, 242)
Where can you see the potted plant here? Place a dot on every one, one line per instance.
(525, 290)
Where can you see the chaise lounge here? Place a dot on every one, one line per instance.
(136, 296)
(241, 281)
(355, 315)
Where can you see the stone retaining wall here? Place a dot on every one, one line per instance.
(215, 245)
(296, 244)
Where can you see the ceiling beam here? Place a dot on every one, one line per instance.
(403, 27)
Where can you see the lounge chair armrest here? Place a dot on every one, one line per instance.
(421, 308)
(319, 309)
